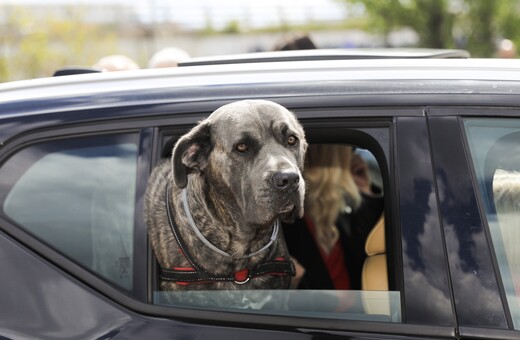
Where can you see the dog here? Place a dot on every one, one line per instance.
(214, 211)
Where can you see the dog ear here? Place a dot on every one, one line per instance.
(191, 153)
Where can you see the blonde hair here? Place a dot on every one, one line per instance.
(329, 185)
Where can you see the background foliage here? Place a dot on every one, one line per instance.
(34, 45)
(474, 25)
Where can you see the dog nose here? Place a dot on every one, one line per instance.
(286, 180)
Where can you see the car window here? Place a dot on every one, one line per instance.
(495, 151)
(364, 291)
(78, 195)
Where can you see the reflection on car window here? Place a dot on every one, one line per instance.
(78, 196)
(495, 151)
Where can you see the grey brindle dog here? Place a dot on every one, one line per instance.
(214, 211)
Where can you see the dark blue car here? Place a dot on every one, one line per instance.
(442, 137)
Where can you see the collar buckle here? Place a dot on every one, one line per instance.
(242, 276)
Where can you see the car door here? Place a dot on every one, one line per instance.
(415, 250)
(96, 159)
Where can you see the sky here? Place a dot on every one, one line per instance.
(195, 13)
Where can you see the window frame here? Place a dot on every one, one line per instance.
(418, 215)
(366, 133)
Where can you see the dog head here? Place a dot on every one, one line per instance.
(253, 152)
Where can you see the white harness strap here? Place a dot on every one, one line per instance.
(184, 196)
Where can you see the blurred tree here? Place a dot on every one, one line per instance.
(232, 27)
(433, 23)
(479, 23)
(507, 18)
(430, 19)
(36, 45)
(3, 69)
(481, 27)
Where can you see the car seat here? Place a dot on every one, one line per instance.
(374, 276)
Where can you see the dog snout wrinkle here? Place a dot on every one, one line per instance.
(285, 180)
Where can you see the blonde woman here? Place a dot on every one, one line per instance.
(340, 210)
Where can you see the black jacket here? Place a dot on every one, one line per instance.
(353, 229)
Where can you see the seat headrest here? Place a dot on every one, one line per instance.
(375, 243)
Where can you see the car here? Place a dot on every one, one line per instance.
(442, 137)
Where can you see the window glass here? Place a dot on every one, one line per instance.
(381, 306)
(78, 196)
(495, 151)
(344, 199)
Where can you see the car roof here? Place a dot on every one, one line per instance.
(195, 91)
(263, 73)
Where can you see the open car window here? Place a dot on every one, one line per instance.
(372, 300)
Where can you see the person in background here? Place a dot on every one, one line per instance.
(357, 222)
(327, 244)
(295, 42)
(506, 49)
(168, 57)
(116, 62)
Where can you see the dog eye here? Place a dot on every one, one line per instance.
(292, 140)
(242, 147)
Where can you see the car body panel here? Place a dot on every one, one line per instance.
(43, 303)
(399, 83)
(57, 306)
(440, 240)
(423, 246)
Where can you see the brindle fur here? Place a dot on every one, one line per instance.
(231, 194)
